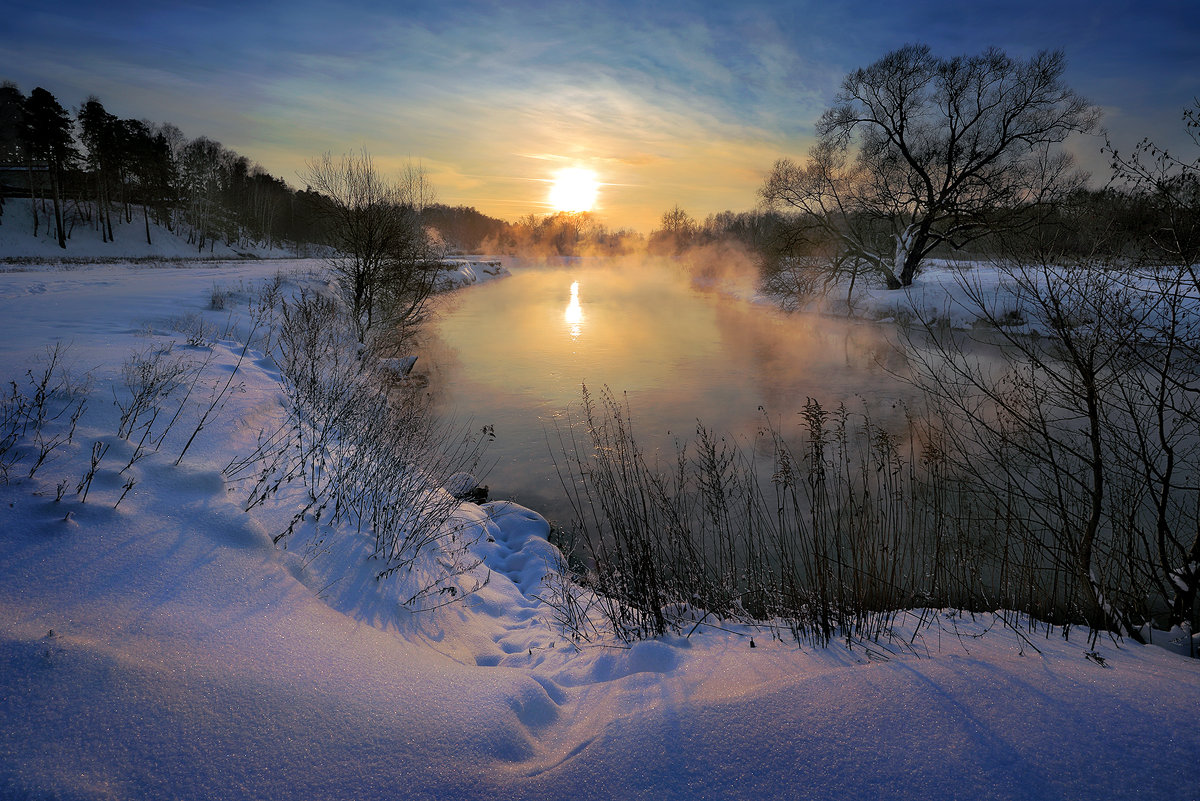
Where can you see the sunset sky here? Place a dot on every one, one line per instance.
(686, 103)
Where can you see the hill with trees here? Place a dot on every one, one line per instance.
(132, 180)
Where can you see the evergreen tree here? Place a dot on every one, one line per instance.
(98, 132)
(50, 143)
(14, 136)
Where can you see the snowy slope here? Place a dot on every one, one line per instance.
(191, 658)
(84, 240)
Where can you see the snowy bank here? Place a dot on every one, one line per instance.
(958, 294)
(154, 643)
(456, 273)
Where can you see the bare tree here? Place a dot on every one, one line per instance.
(384, 261)
(676, 232)
(1169, 187)
(1162, 435)
(919, 151)
(1035, 433)
(1081, 444)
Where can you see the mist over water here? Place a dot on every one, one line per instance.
(515, 354)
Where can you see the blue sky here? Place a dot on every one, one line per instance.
(686, 103)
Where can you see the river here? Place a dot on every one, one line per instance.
(514, 354)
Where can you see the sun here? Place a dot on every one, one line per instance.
(574, 190)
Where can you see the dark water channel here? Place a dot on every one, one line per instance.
(515, 352)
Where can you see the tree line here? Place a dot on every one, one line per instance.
(119, 176)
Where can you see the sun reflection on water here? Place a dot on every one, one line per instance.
(574, 314)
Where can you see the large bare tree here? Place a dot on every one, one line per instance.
(919, 151)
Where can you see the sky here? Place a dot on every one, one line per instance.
(669, 104)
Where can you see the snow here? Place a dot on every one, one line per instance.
(949, 292)
(460, 272)
(161, 646)
(941, 294)
(85, 241)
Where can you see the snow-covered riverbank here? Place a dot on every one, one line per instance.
(154, 643)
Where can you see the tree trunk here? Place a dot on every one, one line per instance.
(58, 220)
(910, 249)
(32, 198)
(105, 218)
(909, 271)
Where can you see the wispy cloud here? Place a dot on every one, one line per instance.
(683, 103)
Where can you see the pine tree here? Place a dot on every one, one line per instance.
(50, 142)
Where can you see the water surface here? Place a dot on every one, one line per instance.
(514, 353)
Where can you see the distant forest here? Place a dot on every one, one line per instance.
(94, 169)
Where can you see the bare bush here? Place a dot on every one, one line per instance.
(197, 332)
(40, 416)
(832, 541)
(99, 449)
(218, 298)
(1001, 505)
(570, 604)
(150, 377)
(368, 454)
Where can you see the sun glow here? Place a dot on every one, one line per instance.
(574, 189)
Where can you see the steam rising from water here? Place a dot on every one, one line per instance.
(515, 353)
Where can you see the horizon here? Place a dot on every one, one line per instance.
(673, 105)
